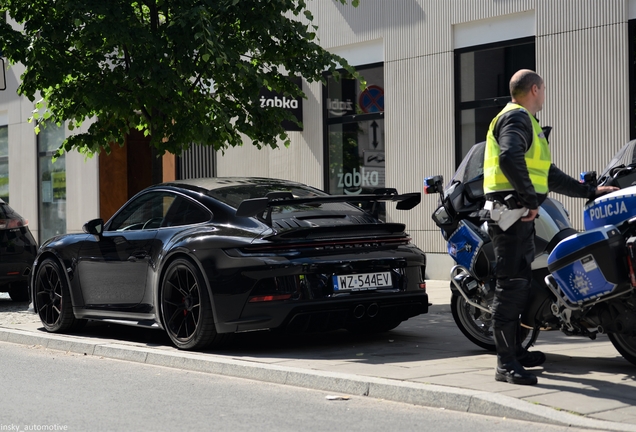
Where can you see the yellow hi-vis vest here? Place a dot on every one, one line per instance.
(537, 158)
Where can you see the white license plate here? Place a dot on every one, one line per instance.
(362, 282)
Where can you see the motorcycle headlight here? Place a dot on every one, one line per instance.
(440, 216)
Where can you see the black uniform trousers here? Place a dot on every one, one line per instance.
(514, 252)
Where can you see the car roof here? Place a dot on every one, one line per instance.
(212, 183)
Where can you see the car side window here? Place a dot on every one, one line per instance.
(186, 212)
(145, 212)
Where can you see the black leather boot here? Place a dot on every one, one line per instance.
(527, 358)
(530, 358)
(508, 367)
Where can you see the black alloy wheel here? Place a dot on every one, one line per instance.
(53, 298)
(186, 309)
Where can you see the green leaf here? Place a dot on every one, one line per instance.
(181, 72)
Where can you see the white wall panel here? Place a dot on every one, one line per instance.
(587, 98)
(566, 16)
(473, 10)
(419, 133)
(23, 190)
(489, 30)
(82, 186)
(301, 161)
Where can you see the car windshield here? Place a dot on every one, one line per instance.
(235, 195)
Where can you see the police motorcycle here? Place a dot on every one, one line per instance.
(584, 283)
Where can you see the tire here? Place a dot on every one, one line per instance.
(53, 299)
(476, 324)
(19, 292)
(625, 345)
(186, 309)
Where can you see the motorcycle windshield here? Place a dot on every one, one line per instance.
(472, 166)
(625, 156)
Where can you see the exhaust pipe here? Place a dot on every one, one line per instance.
(373, 310)
(358, 311)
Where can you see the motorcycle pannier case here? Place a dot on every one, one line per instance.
(465, 246)
(590, 264)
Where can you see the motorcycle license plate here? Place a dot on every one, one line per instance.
(362, 281)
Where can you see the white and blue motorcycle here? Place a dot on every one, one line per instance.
(584, 283)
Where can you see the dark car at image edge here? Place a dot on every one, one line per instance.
(206, 258)
(17, 252)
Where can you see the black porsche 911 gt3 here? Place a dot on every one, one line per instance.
(206, 258)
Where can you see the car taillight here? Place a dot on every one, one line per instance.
(265, 298)
(329, 244)
(13, 223)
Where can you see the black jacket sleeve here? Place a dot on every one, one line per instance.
(560, 182)
(514, 135)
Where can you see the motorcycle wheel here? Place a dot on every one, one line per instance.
(625, 345)
(474, 323)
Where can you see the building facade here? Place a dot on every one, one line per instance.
(437, 72)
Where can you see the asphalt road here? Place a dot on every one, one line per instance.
(53, 390)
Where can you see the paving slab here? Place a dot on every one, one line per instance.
(426, 361)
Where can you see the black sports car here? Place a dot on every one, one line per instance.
(206, 258)
(17, 252)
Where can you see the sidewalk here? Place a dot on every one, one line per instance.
(425, 361)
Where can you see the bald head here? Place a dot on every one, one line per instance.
(522, 81)
(527, 89)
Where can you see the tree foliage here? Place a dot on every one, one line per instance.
(182, 71)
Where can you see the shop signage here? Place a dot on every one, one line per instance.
(271, 99)
(353, 182)
(58, 179)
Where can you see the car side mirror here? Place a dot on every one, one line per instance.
(95, 227)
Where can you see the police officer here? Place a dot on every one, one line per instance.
(517, 161)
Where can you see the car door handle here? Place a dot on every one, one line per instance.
(138, 255)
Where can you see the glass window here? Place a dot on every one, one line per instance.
(186, 212)
(145, 212)
(354, 124)
(52, 182)
(482, 75)
(4, 163)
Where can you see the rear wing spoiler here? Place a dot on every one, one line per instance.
(257, 206)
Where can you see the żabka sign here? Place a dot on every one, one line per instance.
(273, 99)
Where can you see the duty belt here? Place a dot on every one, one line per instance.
(503, 215)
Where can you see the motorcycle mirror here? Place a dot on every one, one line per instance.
(433, 184)
(589, 178)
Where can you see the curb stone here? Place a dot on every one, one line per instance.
(430, 395)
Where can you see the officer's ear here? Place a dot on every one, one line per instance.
(534, 89)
